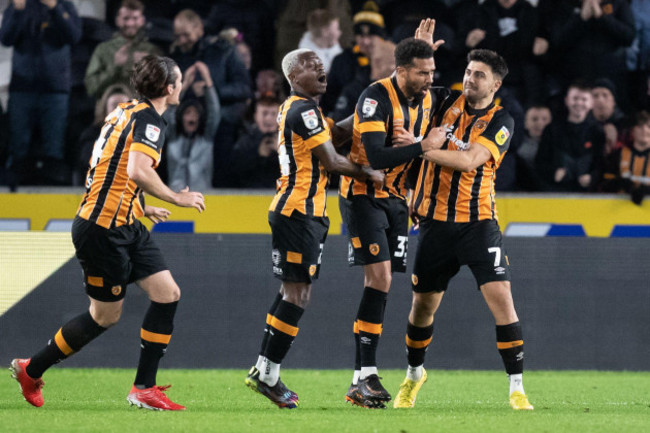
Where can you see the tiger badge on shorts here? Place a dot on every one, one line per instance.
(312, 270)
(116, 290)
(414, 279)
(374, 249)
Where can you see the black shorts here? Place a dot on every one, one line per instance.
(297, 246)
(113, 258)
(378, 231)
(443, 247)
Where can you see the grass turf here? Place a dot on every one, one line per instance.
(92, 400)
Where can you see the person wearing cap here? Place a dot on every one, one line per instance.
(368, 29)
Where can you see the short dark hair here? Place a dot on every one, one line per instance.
(409, 49)
(579, 84)
(492, 59)
(152, 75)
(642, 117)
(134, 5)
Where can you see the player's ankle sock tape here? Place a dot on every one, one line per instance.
(155, 335)
(417, 341)
(284, 328)
(510, 343)
(69, 339)
(270, 314)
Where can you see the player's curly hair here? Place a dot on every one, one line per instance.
(409, 49)
(492, 59)
(152, 75)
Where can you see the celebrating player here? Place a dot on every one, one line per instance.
(297, 215)
(113, 247)
(454, 202)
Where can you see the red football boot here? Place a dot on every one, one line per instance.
(153, 398)
(30, 387)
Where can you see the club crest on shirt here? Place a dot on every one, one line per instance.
(152, 132)
(480, 125)
(369, 107)
(502, 135)
(310, 119)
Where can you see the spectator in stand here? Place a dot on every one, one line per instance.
(537, 118)
(41, 33)
(571, 146)
(192, 127)
(322, 36)
(114, 95)
(634, 169)
(255, 158)
(242, 49)
(113, 60)
(382, 64)
(269, 83)
(368, 29)
(638, 56)
(230, 78)
(509, 27)
(608, 115)
(588, 40)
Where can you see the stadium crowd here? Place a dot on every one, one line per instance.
(578, 86)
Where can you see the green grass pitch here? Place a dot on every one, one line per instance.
(94, 400)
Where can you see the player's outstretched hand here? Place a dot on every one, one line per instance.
(415, 219)
(425, 32)
(402, 137)
(435, 139)
(187, 198)
(156, 214)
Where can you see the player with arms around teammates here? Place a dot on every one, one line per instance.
(113, 247)
(390, 121)
(454, 203)
(297, 215)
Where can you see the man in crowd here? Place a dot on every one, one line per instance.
(113, 60)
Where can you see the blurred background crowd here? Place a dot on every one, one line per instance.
(578, 86)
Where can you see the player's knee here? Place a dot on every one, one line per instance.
(423, 304)
(105, 318)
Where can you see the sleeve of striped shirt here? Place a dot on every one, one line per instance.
(305, 119)
(148, 134)
(498, 133)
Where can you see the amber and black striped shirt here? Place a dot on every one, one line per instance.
(445, 194)
(112, 199)
(634, 166)
(303, 181)
(381, 108)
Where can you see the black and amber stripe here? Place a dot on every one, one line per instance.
(634, 166)
(401, 114)
(445, 194)
(154, 337)
(112, 198)
(303, 182)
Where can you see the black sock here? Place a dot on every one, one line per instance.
(270, 314)
(370, 319)
(417, 342)
(69, 339)
(510, 343)
(283, 330)
(155, 334)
